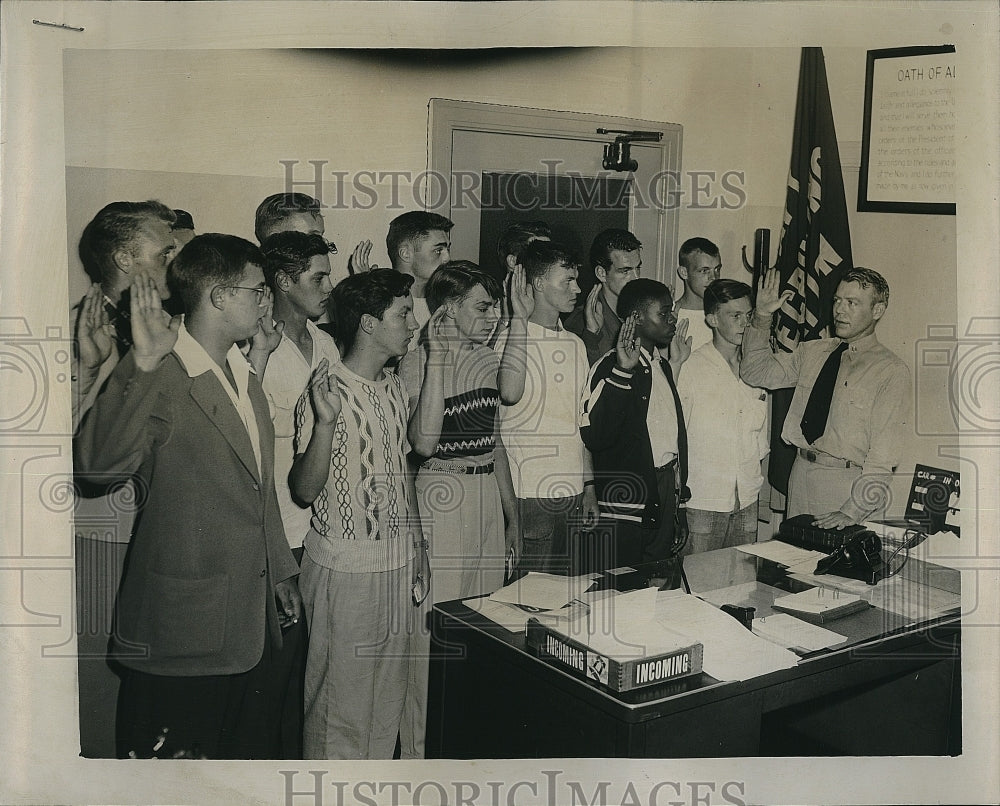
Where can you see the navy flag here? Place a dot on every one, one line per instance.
(815, 247)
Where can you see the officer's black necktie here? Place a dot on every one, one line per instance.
(818, 406)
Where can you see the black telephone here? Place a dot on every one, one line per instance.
(860, 557)
(856, 551)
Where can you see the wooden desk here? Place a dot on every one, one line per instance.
(892, 689)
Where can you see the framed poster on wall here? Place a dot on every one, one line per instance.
(908, 142)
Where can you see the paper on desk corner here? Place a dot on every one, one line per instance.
(855, 586)
(787, 631)
(508, 616)
(543, 591)
(782, 553)
(732, 652)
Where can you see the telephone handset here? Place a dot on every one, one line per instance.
(859, 557)
(855, 552)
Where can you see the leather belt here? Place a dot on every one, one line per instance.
(825, 459)
(461, 470)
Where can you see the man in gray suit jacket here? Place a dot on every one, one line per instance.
(183, 415)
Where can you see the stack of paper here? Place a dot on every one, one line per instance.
(732, 652)
(543, 591)
(625, 627)
(547, 595)
(820, 605)
(782, 553)
(788, 631)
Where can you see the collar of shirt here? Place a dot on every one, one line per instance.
(197, 361)
(311, 328)
(868, 342)
(647, 357)
(540, 331)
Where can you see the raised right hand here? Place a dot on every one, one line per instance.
(325, 393)
(627, 348)
(768, 298)
(593, 311)
(358, 263)
(154, 333)
(93, 330)
(437, 341)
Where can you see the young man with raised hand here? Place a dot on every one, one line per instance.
(726, 426)
(550, 467)
(456, 384)
(365, 564)
(633, 425)
(616, 259)
(297, 270)
(418, 242)
(124, 240)
(184, 415)
(698, 264)
(297, 212)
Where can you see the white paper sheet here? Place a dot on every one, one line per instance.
(732, 652)
(625, 627)
(788, 631)
(543, 591)
(780, 552)
(507, 616)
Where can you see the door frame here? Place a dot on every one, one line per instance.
(446, 116)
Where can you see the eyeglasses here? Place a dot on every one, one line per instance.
(259, 290)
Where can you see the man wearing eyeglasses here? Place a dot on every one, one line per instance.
(699, 264)
(197, 620)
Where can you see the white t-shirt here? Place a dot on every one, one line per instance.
(699, 332)
(285, 379)
(542, 431)
(422, 313)
(661, 416)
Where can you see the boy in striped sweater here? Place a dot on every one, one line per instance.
(365, 561)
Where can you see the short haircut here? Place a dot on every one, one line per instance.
(207, 261)
(371, 292)
(869, 278)
(291, 252)
(638, 293)
(183, 220)
(719, 292)
(115, 227)
(606, 241)
(692, 245)
(455, 279)
(540, 256)
(518, 235)
(413, 226)
(275, 209)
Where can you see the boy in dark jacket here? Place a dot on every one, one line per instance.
(634, 428)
